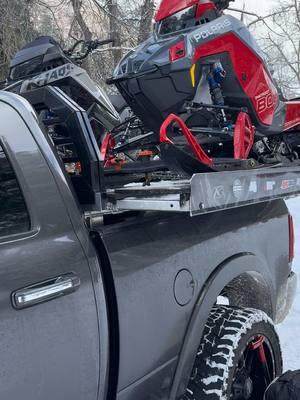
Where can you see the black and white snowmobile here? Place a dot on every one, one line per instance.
(43, 62)
(52, 80)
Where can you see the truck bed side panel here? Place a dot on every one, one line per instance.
(147, 254)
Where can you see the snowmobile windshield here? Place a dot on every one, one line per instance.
(177, 22)
(26, 69)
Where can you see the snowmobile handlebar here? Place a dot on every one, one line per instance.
(90, 46)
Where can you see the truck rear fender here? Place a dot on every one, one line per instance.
(223, 280)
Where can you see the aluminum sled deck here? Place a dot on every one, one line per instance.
(208, 192)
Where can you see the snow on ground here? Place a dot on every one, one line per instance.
(289, 331)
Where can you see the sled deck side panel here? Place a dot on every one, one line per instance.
(224, 190)
(209, 192)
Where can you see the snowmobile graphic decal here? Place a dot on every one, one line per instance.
(48, 77)
(212, 30)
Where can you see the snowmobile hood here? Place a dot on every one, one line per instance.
(164, 73)
(168, 8)
(155, 52)
(145, 58)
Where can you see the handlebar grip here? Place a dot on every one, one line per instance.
(105, 41)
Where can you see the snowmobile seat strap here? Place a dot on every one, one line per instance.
(195, 146)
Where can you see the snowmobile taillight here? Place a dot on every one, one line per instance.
(291, 239)
(177, 51)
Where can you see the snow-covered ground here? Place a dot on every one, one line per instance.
(289, 331)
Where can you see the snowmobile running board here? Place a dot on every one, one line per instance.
(208, 192)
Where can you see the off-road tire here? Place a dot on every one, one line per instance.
(227, 333)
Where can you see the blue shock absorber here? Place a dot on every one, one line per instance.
(215, 79)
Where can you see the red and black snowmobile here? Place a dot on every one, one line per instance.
(201, 86)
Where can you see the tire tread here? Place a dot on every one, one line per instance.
(225, 328)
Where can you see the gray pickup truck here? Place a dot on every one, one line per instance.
(132, 305)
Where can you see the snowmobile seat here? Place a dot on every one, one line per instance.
(118, 102)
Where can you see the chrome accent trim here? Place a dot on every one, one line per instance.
(45, 291)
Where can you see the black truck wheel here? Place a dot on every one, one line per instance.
(238, 357)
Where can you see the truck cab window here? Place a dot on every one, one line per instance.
(14, 217)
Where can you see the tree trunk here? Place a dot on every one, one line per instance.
(147, 12)
(114, 29)
(87, 34)
(80, 20)
(15, 30)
